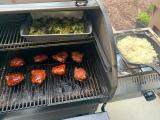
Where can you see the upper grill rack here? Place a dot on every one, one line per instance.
(10, 38)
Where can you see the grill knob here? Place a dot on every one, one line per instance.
(149, 95)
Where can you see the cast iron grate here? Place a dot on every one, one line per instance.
(55, 89)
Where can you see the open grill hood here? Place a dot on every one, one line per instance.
(21, 6)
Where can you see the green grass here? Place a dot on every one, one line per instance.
(144, 17)
(150, 8)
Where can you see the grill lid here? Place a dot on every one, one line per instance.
(33, 1)
(48, 5)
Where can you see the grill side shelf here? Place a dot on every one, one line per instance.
(132, 80)
(130, 87)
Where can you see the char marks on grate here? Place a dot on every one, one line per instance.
(55, 89)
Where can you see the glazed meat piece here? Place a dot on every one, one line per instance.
(14, 79)
(38, 76)
(80, 74)
(16, 62)
(40, 58)
(77, 56)
(59, 70)
(61, 56)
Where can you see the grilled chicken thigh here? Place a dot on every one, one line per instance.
(38, 76)
(14, 79)
(59, 70)
(60, 57)
(40, 58)
(77, 56)
(16, 62)
(80, 74)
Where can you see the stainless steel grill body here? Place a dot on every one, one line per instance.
(57, 92)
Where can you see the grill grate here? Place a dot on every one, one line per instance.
(126, 70)
(56, 89)
(10, 38)
(127, 85)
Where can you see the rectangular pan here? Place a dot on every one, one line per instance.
(53, 37)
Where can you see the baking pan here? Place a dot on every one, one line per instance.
(53, 37)
(156, 45)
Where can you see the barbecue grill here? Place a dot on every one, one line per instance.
(58, 97)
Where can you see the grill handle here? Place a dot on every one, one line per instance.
(79, 3)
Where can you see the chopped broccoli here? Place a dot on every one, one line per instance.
(57, 26)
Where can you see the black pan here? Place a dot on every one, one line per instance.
(156, 63)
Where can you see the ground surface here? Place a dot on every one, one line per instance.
(123, 12)
(133, 109)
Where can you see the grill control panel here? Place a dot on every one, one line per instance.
(149, 95)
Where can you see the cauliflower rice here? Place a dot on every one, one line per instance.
(137, 50)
